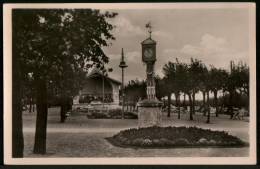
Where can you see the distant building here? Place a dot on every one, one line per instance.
(93, 89)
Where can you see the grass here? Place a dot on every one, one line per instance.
(164, 137)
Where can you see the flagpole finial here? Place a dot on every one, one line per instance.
(149, 27)
(122, 54)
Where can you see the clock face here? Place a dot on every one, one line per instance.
(148, 53)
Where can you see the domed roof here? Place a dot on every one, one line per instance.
(148, 41)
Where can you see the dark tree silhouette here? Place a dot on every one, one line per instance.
(135, 90)
(217, 79)
(54, 46)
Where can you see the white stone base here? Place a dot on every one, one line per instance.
(149, 116)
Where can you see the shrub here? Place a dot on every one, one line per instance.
(112, 114)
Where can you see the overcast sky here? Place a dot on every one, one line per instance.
(214, 36)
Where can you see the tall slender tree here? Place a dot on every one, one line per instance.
(169, 73)
(217, 77)
(238, 79)
(197, 70)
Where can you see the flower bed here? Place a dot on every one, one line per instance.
(111, 114)
(156, 137)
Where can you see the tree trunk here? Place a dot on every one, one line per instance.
(193, 102)
(204, 103)
(169, 104)
(230, 106)
(216, 101)
(63, 112)
(191, 111)
(177, 97)
(66, 106)
(30, 105)
(33, 104)
(208, 108)
(63, 108)
(17, 122)
(184, 101)
(41, 120)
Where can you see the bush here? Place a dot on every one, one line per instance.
(112, 114)
(174, 137)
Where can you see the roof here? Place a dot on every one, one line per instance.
(96, 72)
(148, 41)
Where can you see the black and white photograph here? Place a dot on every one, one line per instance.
(128, 83)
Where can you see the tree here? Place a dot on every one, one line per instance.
(180, 79)
(217, 77)
(197, 74)
(160, 87)
(174, 79)
(203, 87)
(242, 76)
(17, 122)
(48, 44)
(169, 72)
(135, 90)
(177, 80)
(238, 80)
(187, 86)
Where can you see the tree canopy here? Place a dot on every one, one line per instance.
(55, 48)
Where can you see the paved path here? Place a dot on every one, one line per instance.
(82, 137)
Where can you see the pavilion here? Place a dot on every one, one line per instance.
(93, 89)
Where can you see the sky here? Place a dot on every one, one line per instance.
(214, 36)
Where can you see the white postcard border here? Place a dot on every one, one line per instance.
(7, 44)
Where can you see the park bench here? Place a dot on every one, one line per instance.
(238, 114)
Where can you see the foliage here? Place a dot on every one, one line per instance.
(112, 114)
(160, 89)
(238, 79)
(56, 48)
(217, 79)
(134, 90)
(60, 45)
(197, 74)
(175, 75)
(194, 77)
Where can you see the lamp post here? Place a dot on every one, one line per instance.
(122, 65)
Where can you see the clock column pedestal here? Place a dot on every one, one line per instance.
(149, 113)
(149, 110)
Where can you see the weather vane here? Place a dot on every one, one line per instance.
(149, 26)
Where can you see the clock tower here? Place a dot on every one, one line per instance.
(149, 109)
(149, 58)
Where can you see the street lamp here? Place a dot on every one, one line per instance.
(122, 65)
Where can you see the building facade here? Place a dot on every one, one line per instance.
(99, 88)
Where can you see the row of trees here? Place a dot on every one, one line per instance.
(195, 77)
(52, 50)
(190, 79)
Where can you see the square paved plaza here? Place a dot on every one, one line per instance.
(83, 137)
